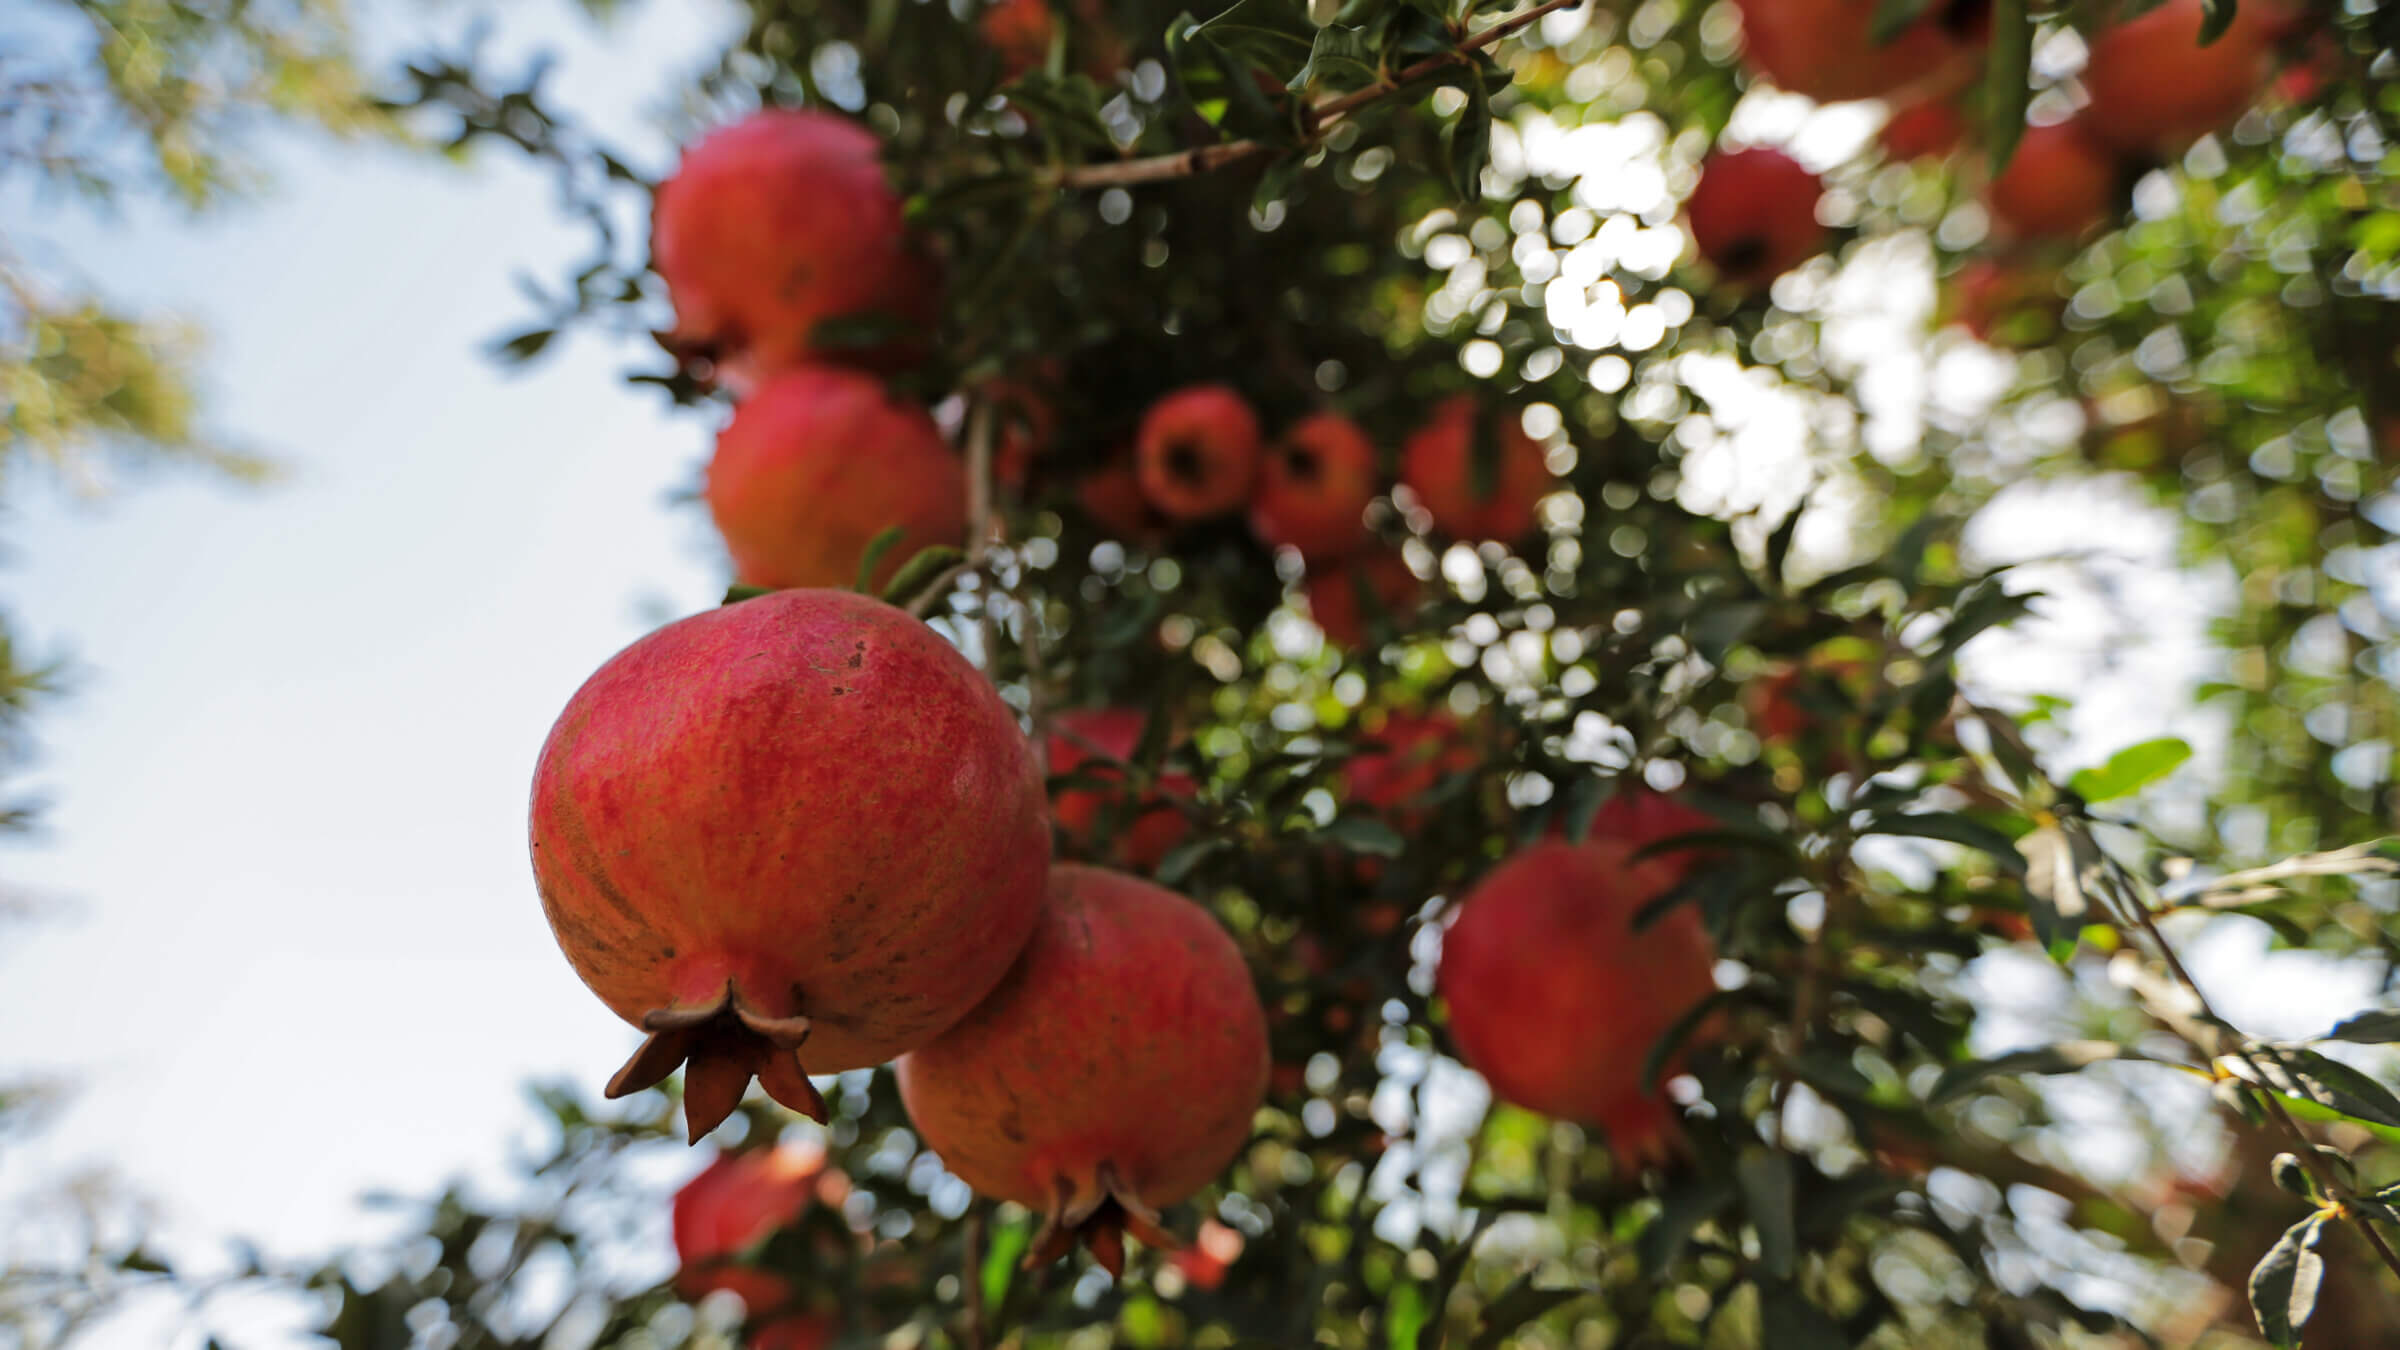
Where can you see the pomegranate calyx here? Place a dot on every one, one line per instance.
(721, 1046)
(1099, 1221)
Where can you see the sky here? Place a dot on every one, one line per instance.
(290, 950)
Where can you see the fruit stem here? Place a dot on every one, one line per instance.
(1205, 158)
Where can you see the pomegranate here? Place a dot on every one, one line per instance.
(1113, 1073)
(818, 463)
(1927, 129)
(778, 223)
(1020, 31)
(1341, 613)
(1753, 214)
(736, 1202)
(1197, 451)
(1635, 817)
(1088, 739)
(1557, 1000)
(805, 1331)
(1821, 48)
(1414, 752)
(2154, 88)
(2059, 185)
(1314, 488)
(2006, 303)
(802, 818)
(1111, 496)
(1438, 464)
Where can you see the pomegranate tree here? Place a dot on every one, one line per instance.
(800, 819)
(1113, 1073)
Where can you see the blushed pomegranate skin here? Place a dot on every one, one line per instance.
(736, 1202)
(1557, 1001)
(1085, 739)
(1334, 603)
(1753, 214)
(1314, 487)
(819, 462)
(1636, 817)
(1926, 129)
(1113, 1073)
(2153, 86)
(777, 223)
(2060, 184)
(1821, 48)
(802, 818)
(1438, 464)
(1197, 452)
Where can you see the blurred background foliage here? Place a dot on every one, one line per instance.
(1770, 549)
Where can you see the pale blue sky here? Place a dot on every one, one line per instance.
(298, 952)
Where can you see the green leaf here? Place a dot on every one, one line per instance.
(2064, 1057)
(1470, 140)
(2215, 17)
(1275, 32)
(1364, 834)
(1521, 1302)
(1797, 1324)
(2378, 1027)
(1951, 827)
(2007, 80)
(735, 595)
(1340, 58)
(1892, 16)
(909, 583)
(2309, 1076)
(1180, 861)
(1680, 1215)
(1000, 1263)
(884, 541)
(2283, 1286)
(524, 346)
(2131, 769)
(1769, 1193)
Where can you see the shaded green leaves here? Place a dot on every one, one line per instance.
(1468, 147)
(2283, 1286)
(2007, 80)
(2311, 1077)
(1516, 1305)
(872, 557)
(1951, 827)
(2131, 769)
(1768, 1193)
(1340, 58)
(2063, 1057)
(908, 585)
(2379, 1027)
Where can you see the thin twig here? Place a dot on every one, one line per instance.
(979, 522)
(1318, 117)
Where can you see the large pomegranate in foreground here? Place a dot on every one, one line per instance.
(819, 462)
(778, 223)
(1557, 1000)
(1438, 464)
(800, 829)
(1113, 1073)
(735, 1203)
(1086, 740)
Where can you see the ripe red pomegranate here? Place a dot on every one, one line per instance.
(1025, 423)
(778, 223)
(1112, 496)
(1753, 214)
(1438, 465)
(1086, 739)
(801, 818)
(1635, 817)
(2154, 88)
(1334, 603)
(815, 465)
(807, 1331)
(1821, 48)
(736, 1202)
(1927, 129)
(1020, 31)
(1314, 488)
(1414, 752)
(1113, 1073)
(2059, 185)
(1557, 1000)
(1197, 451)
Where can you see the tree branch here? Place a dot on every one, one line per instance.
(1206, 158)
